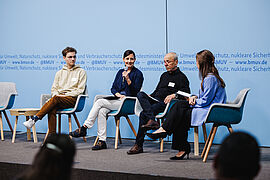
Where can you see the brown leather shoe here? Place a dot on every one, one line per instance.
(151, 124)
(135, 150)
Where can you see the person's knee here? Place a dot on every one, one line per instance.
(54, 100)
(141, 94)
(100, 102)
(104, 112)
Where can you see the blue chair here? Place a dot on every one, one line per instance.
(126, 108)
(224, 115)
(69, 111)
(7, 98)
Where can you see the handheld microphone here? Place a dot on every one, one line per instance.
(125, 69)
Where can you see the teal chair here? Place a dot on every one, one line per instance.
(224, 115)
(126, 108)
(69, 111)
(7, 98)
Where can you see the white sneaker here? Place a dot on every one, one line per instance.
(29, 124)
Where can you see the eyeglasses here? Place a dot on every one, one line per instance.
(168, 62)
(70, 57)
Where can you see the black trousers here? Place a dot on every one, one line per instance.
(150, 109)
(177, 123)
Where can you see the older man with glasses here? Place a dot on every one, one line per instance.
(170, 82)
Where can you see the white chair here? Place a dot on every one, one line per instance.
(7, 98)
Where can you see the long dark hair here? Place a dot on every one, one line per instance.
(128, 52)
(206, 61)
(54, 160)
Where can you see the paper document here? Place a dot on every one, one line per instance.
(183, 93)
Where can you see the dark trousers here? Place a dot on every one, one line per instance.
(50, 108)
(178, 123)
(150, 109)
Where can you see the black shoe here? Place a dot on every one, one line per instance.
(81, 132)
(100, 145)
(180, 157)
(151, 124)
(157, 135)
(135, 150)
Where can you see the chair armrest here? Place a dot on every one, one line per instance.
(80, 102)
(167, 109)
(228, 105)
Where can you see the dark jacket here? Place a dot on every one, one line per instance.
(120, 84)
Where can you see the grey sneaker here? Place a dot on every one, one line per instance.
(29, 124)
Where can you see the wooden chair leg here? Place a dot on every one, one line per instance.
(230, 128)
(59, 123)
(34, 131)
(10, 127)
(95, 143)
(161, 149)
(196, 141)
(206, 143)
(14, 130)
(46, 136)
(210, 142)
(204, 132)
(1, 126)
(161, 145)
(117, 121)
(119, 134)
(131, 126)
(78, 124)
(69, 124)
(28, 131)
(34, 134)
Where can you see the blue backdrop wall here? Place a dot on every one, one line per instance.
(33, 34)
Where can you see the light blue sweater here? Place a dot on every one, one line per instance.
(213, 93)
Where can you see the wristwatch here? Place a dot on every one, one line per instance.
(176, 95)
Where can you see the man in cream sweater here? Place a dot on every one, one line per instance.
(68, 83)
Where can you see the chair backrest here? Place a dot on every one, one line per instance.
(126, 108)
(230, 113)
(7, 95)
(241, 98)
(81, 100)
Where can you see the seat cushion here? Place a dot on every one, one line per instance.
(68, 109)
